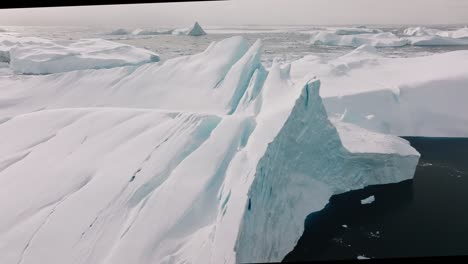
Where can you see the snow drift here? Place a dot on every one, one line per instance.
(201, 159)
(31, 55)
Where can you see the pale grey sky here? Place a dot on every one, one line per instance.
(241, 12)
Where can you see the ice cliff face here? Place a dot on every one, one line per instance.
(207, 158)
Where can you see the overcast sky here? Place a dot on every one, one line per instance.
(242, 12)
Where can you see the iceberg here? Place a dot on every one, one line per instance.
(28, 55)
(417, 96)
(436, 40)
(145, 32)
(195, 30)
(355, 31)
(386, 39)
(120, 31)
(419, 31)
(208, 158)
(460, 33)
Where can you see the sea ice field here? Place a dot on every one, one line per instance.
(210, 144)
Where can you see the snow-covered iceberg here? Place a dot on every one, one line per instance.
(417, 96)
(194, 30)
(31, 55)
(386, 39)
(207, 158)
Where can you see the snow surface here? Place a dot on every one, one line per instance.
(30, 55)
(417, 96)
(368, 200)
(207, 158)
(386, 39)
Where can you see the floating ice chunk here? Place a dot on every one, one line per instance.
(368, 200)
(376, 40)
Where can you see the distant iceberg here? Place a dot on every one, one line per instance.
(183, 161)
(195, 30)
(419, 31)
(143, 32)
(44, 56)
(356, 30)
(120, 31)
(437, 40)
(386, 39)
(461, 33)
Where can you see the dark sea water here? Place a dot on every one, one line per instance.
(426, 216)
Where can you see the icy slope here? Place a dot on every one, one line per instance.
(42, 56)
(200, 159)
(212, 81)
(403, 96)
